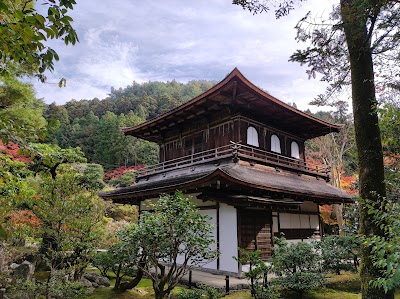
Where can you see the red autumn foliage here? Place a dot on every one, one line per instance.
(326, 214)
(312, 161)
(24, 217)
(120, 171)
(12, 149)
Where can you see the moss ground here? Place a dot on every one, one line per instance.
(345, 286)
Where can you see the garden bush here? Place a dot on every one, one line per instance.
(260, 287)
(339, 253)
(297, 266)
(203, 292)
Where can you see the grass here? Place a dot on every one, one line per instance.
(345, 286)
(144, 290)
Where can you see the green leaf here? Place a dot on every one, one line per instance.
(40, 18)
(3, 233)
(3, 7)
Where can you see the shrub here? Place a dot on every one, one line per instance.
(203, 292)
(58, 287)
(339, 253)
(258, 275)
(190, 294)
(297, 266)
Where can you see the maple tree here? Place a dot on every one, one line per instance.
(13, 151)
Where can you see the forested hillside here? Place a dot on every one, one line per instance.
(93, 125)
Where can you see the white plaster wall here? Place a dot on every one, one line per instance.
(304, 221)
(314, 221)
(289, 220)
(284, 220)
(275, 225)
(228, 242)
(212, 213)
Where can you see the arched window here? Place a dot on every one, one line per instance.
(295, 152)
(252, 136)
(275, 144)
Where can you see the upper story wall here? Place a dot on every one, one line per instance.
(212, 120)
(220, 129)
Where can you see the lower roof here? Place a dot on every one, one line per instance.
(275, 182)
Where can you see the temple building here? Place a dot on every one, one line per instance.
(239, 153)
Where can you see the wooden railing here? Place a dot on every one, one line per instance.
(235, 151)
(275, 159)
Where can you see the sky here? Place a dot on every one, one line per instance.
(130, 40)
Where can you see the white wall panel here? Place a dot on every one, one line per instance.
(228, 242)
(304, 221)
(294, 220)
(213, 214)
(314, 219)
(284, 219)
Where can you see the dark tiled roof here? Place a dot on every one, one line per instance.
(284, 181)
(165, 182)
(242, 173)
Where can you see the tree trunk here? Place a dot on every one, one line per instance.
(133, 283)
(118, 277)
(338, 209)
(368, 140)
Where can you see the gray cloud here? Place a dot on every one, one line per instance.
(182, 40)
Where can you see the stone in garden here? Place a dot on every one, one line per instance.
(104, 281)
(13, 266)
(24, 271)
(86, 282)
(98, 279)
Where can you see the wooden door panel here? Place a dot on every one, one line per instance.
(255, 231)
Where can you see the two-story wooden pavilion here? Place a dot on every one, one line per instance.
(239, 152)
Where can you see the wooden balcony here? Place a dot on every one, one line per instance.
(237, 151)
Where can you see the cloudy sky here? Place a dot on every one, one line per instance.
(130, 40)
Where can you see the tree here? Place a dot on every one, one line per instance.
(362, 34)
(24, 31)
(20, 112)
(70, 217)
(15, 194)
(335, 150)
(173, 239)
(117, 259)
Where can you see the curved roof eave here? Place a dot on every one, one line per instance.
(216, 88)
(130, 192)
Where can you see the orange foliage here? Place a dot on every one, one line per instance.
(24, 217)
(392, 159)
(347, 184)
(326, 214)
